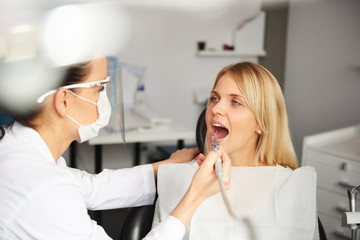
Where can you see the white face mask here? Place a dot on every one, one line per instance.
(91, 130)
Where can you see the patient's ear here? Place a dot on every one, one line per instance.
(61, 101)
(258, 130)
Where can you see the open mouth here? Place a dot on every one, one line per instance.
(220, 131)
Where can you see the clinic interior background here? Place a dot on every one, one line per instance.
(312, 49)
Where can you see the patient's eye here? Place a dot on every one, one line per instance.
(236, 103)
(214, 99)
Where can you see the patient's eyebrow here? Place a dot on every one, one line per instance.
(230, 94)
(236, 95)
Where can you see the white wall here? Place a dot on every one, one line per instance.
(164, 41)
(322, 81)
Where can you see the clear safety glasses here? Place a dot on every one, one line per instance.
(76, 85)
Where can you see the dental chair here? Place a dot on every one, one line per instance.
(137, 223)
(139, 220)
(322, 234)
(4, 119)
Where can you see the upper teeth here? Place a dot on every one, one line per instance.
(217, 125)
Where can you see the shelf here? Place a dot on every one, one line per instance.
(242, 53)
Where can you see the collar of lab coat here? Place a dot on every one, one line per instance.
(32, 138)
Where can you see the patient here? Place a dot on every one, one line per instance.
(246, 110)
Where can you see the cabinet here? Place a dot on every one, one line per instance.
(335, 155)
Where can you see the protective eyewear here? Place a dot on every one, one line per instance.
(76, 85)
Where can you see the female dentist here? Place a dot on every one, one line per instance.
(41, 198)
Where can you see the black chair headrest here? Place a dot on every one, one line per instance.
(201, 131)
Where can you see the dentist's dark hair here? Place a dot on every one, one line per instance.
(73, 74)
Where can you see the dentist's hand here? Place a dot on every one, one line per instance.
(205, 182)
(200, 159)
(203, 185)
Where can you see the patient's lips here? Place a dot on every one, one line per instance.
(220, 131)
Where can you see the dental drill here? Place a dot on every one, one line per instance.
(219, 175)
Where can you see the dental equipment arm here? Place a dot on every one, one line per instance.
(352, 192)
(219, 175)
(352, 218)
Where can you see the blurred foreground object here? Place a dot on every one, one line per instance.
(39, 41)
(72, 33)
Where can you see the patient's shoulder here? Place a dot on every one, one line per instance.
(301, 178)
(304, 170)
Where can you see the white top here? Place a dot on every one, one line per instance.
(279, 203)
(42, 199)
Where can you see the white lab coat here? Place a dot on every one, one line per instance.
(44, 199)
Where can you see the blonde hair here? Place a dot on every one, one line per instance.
(266, 101)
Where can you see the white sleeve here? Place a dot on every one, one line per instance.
(129, 187)
(170, 228)
(57, 212)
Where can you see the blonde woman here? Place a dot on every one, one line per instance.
(247, 113)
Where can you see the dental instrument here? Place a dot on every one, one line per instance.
(219, 174)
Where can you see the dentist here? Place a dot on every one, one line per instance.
(42, 198)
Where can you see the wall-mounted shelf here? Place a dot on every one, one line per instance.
(242, 53)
